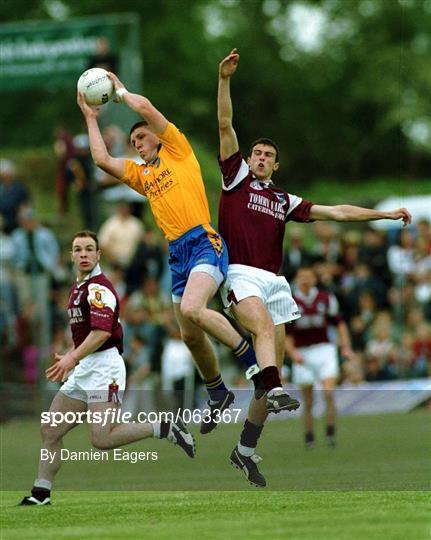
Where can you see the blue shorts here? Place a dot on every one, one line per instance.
(200, 249)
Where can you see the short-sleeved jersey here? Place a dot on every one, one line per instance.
(173, 185)
(93, 304)
(319, 310)
(253, 214)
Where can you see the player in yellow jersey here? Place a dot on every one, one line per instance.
(171, 179)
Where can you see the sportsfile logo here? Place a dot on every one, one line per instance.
(117, 416)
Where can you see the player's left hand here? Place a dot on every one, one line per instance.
(228, 65)
(59, 370)
(401, 213)
(86, 109)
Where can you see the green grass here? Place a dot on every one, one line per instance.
(372, 485)
(221, 515)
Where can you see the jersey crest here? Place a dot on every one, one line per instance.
(97, 301)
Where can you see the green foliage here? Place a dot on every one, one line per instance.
(355, 106)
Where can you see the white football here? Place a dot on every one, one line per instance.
(96, 86)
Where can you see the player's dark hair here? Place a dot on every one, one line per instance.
(141, 123)
(268, 142)
(87, 234)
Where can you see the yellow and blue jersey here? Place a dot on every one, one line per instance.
(173, 185)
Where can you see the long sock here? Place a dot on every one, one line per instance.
(259, 387)
(245, 353)
(271, 378)
(309, 437)
(330, 431)
(161, 429)
(249, 437)
(216, 388)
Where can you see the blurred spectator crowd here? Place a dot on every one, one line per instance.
(382, 279)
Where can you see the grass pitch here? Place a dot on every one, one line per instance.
(373, 485)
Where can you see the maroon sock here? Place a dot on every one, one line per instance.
(271, 378)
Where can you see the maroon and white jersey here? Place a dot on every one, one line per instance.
(253, 214)
(319, 310)
(94, 304)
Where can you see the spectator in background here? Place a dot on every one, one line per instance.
(28, 327)
(421, 272)
(104, 57)
(64, 151)
(120, 235)
(400, 257)
(381, 351)
(414, 318)
(36, 260)
(361, 322)
(138, 329)
(296, 255)
(148, 299)
(402, 300)
(148, 261)
(177, 368)
(36, 256)
(363, 280)
(13, 195)
(424, 231)
(327, 241)
(421, 345)
(116, 276)
(8, 306)
(138, 364)
(81, 172)
(373, 252)
(327, 276)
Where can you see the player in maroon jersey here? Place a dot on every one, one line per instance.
(313, 354)
(94, 374)
(252, 218)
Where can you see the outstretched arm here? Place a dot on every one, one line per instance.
(228, 140)
(157, 123)
(347, 212)
(99, 152)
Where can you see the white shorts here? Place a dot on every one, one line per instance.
(320, 363)
(274, 291)
(91, 379)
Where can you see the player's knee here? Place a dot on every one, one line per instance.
(99, 441)
(191, 311)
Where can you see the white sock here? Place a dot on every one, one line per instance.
(273, 390)
(245, 450)
(42, 483)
